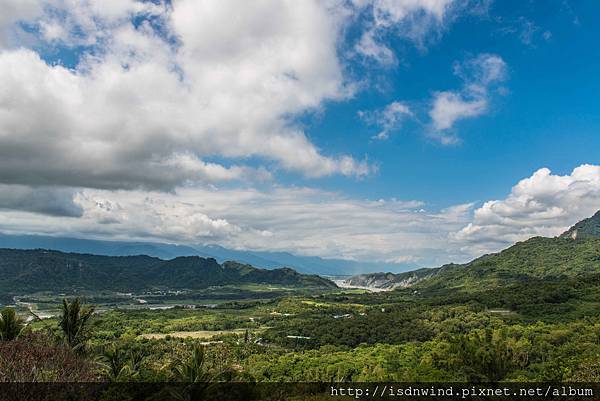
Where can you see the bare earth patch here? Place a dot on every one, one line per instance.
(204, 334)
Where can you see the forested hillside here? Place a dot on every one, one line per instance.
(588, 228)
(23, 271)
(536, 258)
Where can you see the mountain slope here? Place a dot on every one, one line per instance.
(536, 258)
(42, 270)
(576, 253)
(588, 228)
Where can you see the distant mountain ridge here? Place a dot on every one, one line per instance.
(265, 260)
(23, 271)
(574, 253)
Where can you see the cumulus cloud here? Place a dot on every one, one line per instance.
(156, 98)
(388, 119)
(482, 71)
(544, 204)
(479, 74)
(89, 23)
(371, 48)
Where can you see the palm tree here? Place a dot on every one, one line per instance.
(114, 365)
(121, 366)
(193, 370)
(197, 375)
(10, 324)
(73, 322)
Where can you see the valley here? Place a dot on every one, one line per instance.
(529, 313)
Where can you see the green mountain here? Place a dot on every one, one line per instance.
(588, 228)
(538, 258)
(44, 270)
(534, 259)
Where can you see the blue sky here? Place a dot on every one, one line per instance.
(415, 132)
(550, 116)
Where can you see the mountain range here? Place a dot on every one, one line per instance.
(25, 271)
(575, 253)
(261, 259)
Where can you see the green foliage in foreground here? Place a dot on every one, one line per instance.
(73, 322)
(517, 353)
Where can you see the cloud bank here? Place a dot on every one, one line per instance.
(303, 220)
(310, 221)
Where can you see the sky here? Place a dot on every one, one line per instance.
(415, 132)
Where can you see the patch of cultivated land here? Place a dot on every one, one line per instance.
(200, 334)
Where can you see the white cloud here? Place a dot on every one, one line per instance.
(13, 11)
(479, 74)
(368, 46)
(123, 141)
(543, 204)
(211, 79)
(412, 20)
(483, 70)
(528, 31)
(448, 107)
(387, 119)
(404, 259)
